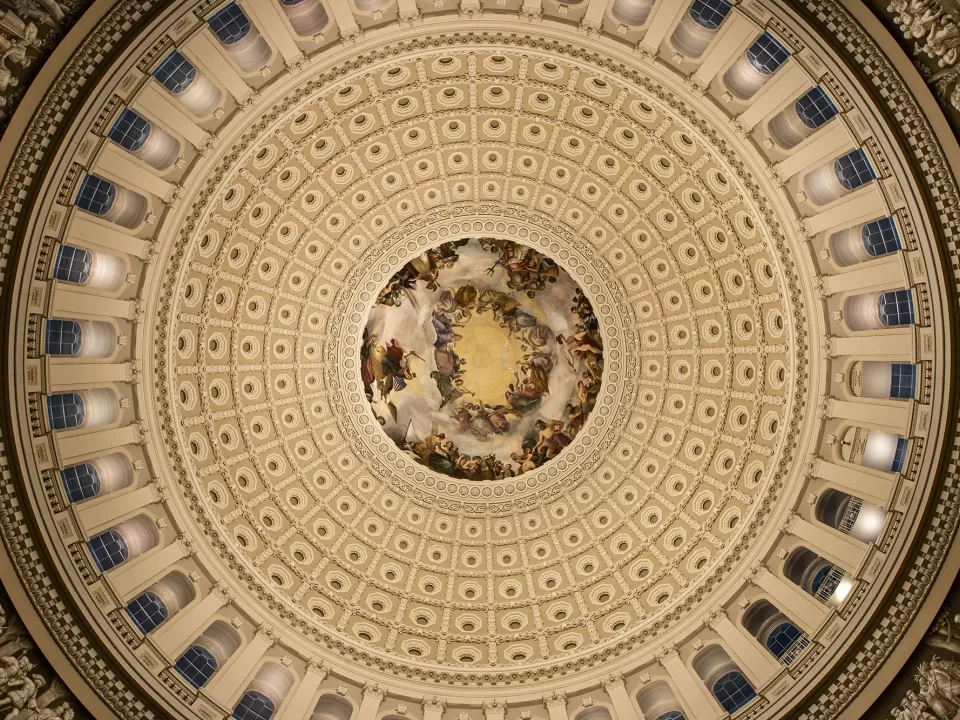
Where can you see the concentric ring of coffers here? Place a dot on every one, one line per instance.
(289, 490)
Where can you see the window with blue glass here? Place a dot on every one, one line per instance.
(197, 665)
(108, 549)
(781, 638)
(710, 13)
(147, 611)
(819, 578)
(129, 130)
(63, 337)
(767, 54)
(881, 237)
(672, 715)
(903, 381)
(175, 73)
(96, 195)
(72, 265)
(854, 169)
(65, 411)
(900, 456)
(733, 691)
(81, 482)
(230, 25)
(896, 308)
(254, 706)
(815, 108)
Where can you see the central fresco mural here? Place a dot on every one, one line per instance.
(482, 359)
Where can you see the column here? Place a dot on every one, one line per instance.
(826, 143)
(433, 708)
(661, 20)
(895, 417)
(623, 706)
(116, 161)
(736, 35)
(203, 52)
(266, 16)
(75, 373)
(758, 665)
(837, 548)
(131, 579)
(895, 346)
(177, 633)
(792, 601)
(170, 113)
(66, 301)
(343, 14)
(225, 687)
(373, 695)
(865, 485)
(693, 694)
(556, 704)
(883, 271)
(849, 210)
(494, 709)
(95, 442)
(593, 18)
(96, 516)
(782, 89)
(305, 697)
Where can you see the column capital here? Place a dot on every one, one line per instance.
(318, 667)
(555, 699)
(614, 679)
(375, 691)
(666, 653)
(434, 703)
(789, 521)
(714, 618)
(494, 706)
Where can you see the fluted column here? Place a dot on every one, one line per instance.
(796, 604)
(176, 634)
(759, 666)
(556, 704)
(623, 707)
(433, 708)
(840, 549)
(693, 693)
(97, 516)
(864, 485)
(305, 697)
(373, 695)
(90, 443)
(129, 580)
(225, 687)
(494, 709)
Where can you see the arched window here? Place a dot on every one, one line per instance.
(782, 638)
(710, 13)
(63, 337)
(767, 54)
(307, 17)
(197, 665)
(854, 169)
(72, 265)
(816, 576)
(229, 24)
(815, 108)
(65, 410)
(733, 691)
(108, 549)
(632, 12)
(96, 195)
(896, 308)
(254, 706)
(903, 381)
(900, 457)
(80, 482)
(147, 611)
(175, 73)
(672, 715)
(880, 237)
(825, 581)
(129, 130)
